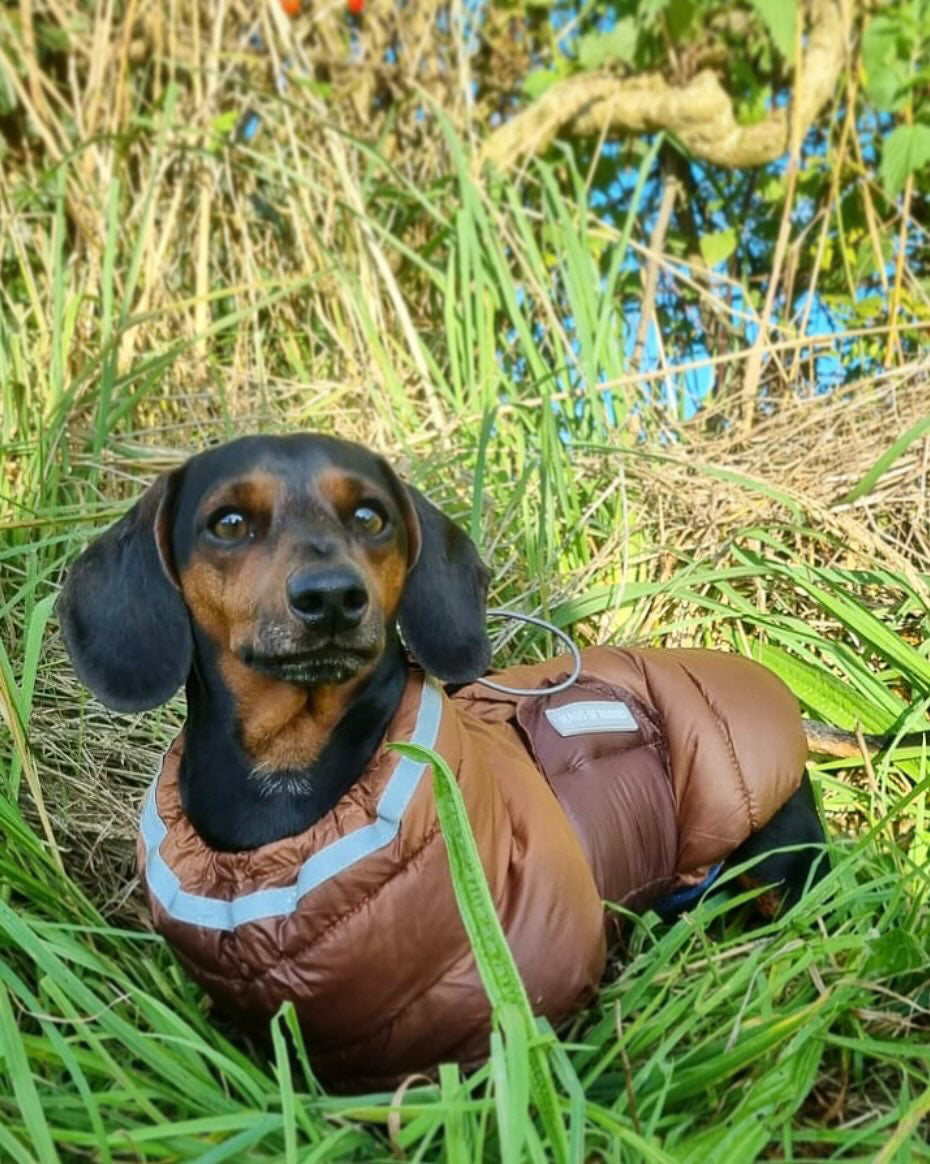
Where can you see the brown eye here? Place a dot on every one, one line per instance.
(367, 519)
(229, 526)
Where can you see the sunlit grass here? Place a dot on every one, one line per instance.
(469, 332)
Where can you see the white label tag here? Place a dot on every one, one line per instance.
(591, 716)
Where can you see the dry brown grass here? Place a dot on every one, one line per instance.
(213, 287)
(164, 286)
(95, 765)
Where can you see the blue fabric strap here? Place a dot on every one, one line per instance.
(682, 898)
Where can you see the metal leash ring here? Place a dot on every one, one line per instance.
(560, 634)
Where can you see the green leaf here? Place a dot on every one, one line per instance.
(286, 1085)
(827, 696)
(754, 1046)
(726, 1143)
(8, 99)
(772, 189)
(905, 151)
(509, 1057)
(15, 1065)
(717, 246)
(871, 631)
(681, 18)
(885, 59)
(224, 123)
(537, 81)
(596, 49)
(780, 20)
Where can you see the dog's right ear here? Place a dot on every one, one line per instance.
(122, 616)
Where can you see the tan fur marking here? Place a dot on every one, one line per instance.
(386, 575)
(257, 493)
(223, 589)
(283, 725)
(385, 566)
(767, 903)
(341, 491)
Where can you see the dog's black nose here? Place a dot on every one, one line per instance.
(332, 600)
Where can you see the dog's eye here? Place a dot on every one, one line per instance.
(368, 519)
(229, 526)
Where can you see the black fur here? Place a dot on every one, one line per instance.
(790, 869)
(122, 617)
(442, 612)
(227, 805)
(133, 642)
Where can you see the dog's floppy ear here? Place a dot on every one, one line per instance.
(442, 611)
(122, 616)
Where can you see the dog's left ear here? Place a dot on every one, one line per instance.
(442, 610)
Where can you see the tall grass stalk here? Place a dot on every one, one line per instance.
(162, 288)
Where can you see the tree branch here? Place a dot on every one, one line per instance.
(700, 113)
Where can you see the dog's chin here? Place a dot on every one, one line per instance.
(326, 666)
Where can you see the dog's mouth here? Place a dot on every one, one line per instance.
(329, 664)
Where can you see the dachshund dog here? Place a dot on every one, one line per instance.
(271, 575)
(289, 856)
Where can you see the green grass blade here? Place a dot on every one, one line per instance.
(874, 633)
(821, 691)
(868, 482)
(496, 966)
(14, 1059)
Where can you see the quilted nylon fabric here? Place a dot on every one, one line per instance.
(374, 955)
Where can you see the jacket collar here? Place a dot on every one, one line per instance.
(323, 864)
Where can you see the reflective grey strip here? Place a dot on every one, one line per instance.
(216, 914)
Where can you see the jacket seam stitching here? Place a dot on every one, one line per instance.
(349, 913)
(372, 1035)
(646, 887)
(731, 750)
(344, 917)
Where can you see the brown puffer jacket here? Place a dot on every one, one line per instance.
(655, 765)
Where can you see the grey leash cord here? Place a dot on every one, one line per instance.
(560, 634)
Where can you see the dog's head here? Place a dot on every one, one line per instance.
(292, 555)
